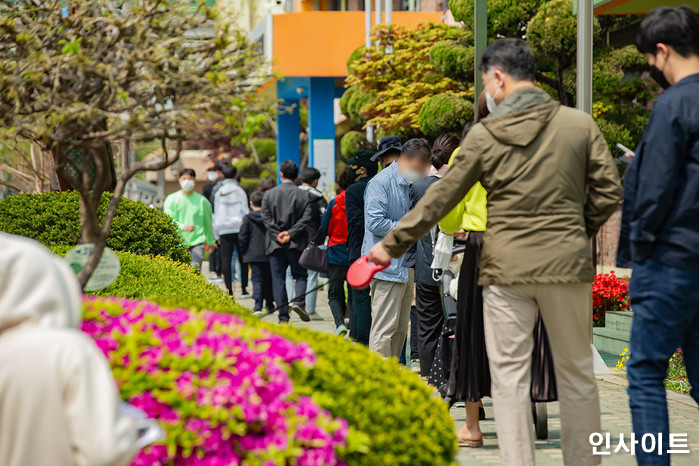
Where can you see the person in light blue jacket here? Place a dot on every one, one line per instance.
(387, 199)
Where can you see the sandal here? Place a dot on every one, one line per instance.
(471, 443)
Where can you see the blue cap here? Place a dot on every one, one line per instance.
(388, 143)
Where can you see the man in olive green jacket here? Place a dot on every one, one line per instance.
(551, 184)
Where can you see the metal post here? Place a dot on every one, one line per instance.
(480, 41)
(584, 58)
(367, 23)
(389, 11)
(378, 18)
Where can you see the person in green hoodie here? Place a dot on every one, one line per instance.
(551, 184)
(192, 213)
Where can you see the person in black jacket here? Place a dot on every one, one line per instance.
(660, 226)
(310, 177)
(286, 213)
(365, 169)
(428, 298)
(251, 241)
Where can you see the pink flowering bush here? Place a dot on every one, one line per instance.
(220, 389)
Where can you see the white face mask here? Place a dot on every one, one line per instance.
(490, 99)
(187, 185)
(411, 176)
(213, 176)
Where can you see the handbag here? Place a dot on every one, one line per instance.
(315, 257)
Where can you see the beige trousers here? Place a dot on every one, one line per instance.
(510, 315)
(390, 315)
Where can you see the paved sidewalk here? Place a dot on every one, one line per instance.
(616, 418)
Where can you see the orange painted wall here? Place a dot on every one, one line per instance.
(318, 43)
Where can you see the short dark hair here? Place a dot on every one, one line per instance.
(443, 147)
(346, 177)
(229, 171)
(675, 27)
(187, 171)
(512, 56)
(256, 198)
(289, 170)
(309, 175)
(417, 148)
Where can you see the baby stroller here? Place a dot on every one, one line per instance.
(543, 380)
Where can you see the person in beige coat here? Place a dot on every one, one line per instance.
(58, 400)
(551, 184)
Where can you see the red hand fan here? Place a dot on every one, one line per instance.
(361, 272)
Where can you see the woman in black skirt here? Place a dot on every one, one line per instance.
(469, 375)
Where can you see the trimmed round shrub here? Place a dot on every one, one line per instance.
(462, 10)
(250, 184)
(247, 167)
(393, 417)
(266, 149)
(444, 113)
(165, 282)
(54, 220)
(354, 56)
(351, 142)
(344, 100)
(221, 390)
(453, 59)
(359, 99)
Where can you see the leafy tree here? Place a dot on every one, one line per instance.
(76, 80)
(401, 77)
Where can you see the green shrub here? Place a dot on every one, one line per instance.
(247, 167)
(344, 100)
(167, 283)
(351, 142)
(250, 184)
(355, 55)
(357, 102)
(444, 113)
(54, 220)
(453, 59)
(398, 417)
(266, 149)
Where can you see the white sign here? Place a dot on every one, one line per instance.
(324, 161)
(106, 271)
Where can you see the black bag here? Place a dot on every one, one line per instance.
(314, 257)
(543, 382)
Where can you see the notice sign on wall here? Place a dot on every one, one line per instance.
(324, 161)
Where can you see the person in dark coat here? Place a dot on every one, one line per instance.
(660, 227)
(365, 169)
(286, 213)
(251, 240)
(428, 298)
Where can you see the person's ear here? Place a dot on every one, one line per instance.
(499, 78)
(661, 51)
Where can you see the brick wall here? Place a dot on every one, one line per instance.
(608, 240)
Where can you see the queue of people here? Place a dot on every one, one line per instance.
(521, 213)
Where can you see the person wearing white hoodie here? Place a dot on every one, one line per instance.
(59, 404)
(230, 208)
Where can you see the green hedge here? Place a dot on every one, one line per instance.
(266, 149)
(444, 113)
(351, 142)
(399, 418)
(165, 282)
(54, 220)
(453, 60)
